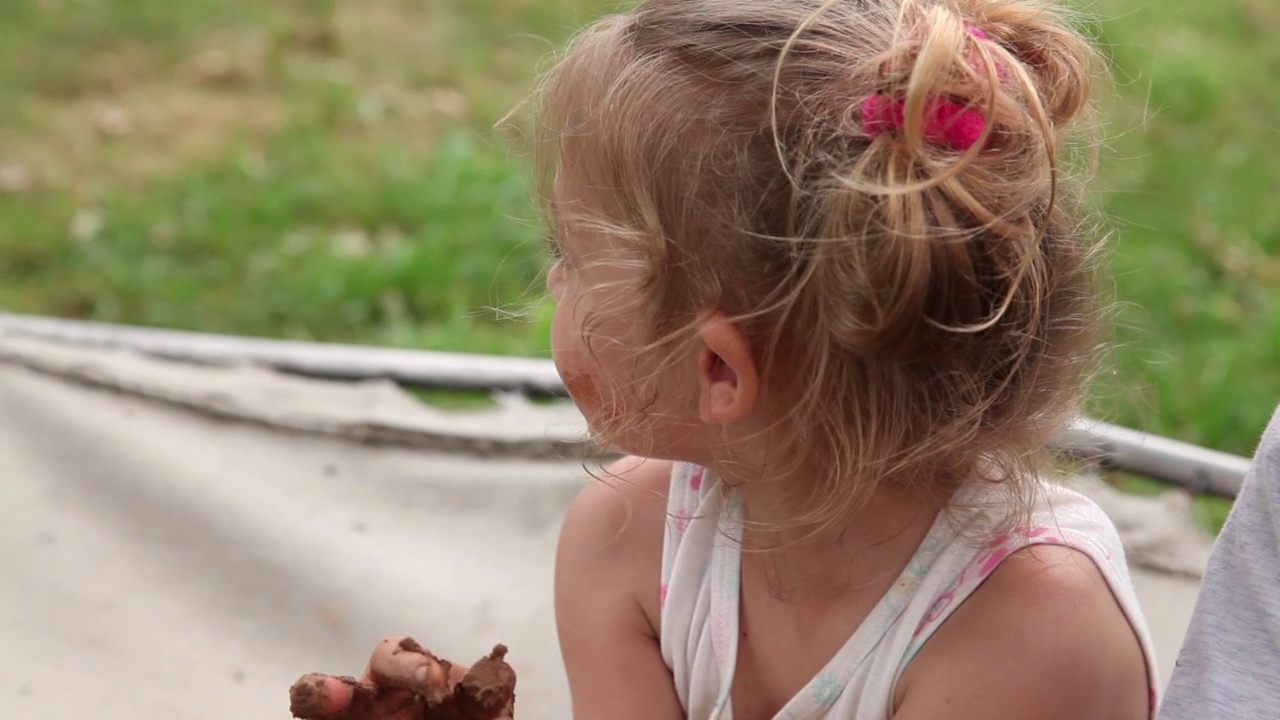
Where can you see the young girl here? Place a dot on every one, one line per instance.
(820, 274)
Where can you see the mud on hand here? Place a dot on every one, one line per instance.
(405, 681)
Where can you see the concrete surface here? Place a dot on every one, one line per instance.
(183, 542)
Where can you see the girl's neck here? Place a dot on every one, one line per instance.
(824, 561)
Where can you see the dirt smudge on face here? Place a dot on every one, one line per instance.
(582, 387)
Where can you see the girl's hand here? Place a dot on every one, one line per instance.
(405, 681)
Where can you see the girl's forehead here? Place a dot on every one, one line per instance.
(565, 189)
(570, 202)
(557, 185)
(585, 227)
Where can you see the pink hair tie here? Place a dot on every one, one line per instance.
(1000, 71)
(946, 122)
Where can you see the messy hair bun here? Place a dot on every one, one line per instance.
(951, 235)
(923, 300)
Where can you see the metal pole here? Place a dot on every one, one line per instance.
(453, 371)
(1193, 467)
(1190, 466)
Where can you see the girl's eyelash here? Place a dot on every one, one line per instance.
(552, 245)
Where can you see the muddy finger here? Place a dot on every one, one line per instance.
(325, 697)
(401, 662)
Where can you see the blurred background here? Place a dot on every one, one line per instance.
(330, 170)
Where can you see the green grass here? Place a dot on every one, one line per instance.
(329, 170)
(318, 243)
(348, 185)
(1189, 185)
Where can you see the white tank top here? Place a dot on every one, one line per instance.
(701, 581)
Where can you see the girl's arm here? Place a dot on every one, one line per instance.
(1042, 638)
(607, 574)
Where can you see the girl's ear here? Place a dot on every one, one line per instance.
(728, 380)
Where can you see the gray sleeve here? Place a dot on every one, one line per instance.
(1229, 665)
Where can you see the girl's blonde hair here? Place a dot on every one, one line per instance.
(927, 314)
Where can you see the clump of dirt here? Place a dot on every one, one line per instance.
(485, 691)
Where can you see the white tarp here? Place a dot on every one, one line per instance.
(182, 541)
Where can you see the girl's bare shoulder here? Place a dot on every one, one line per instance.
(607, 577)
(1043, 637)
(613, 532)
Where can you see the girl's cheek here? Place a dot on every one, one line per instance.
(582, 388)
(570, 355)
(571, 361)
(565, 340)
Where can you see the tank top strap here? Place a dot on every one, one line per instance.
(695, 558)
(684, 498)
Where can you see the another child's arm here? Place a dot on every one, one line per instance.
(607, 571)
(1235, 629)
(1043, 637)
